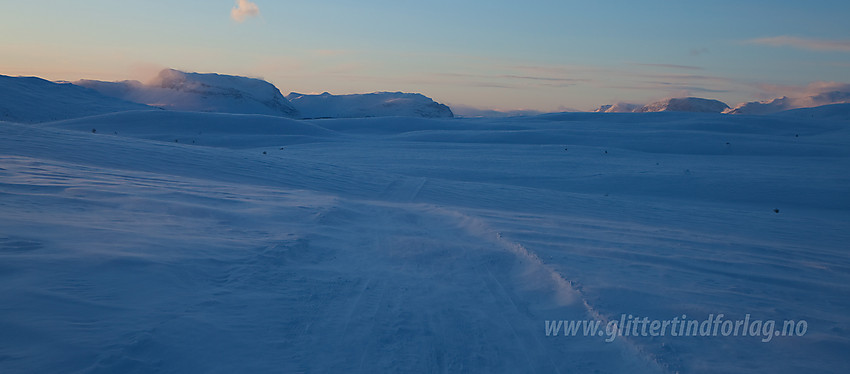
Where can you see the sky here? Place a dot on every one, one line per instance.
(502, 55)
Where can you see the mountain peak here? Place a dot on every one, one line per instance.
(375, 104)
(201, 92)
(685, 104)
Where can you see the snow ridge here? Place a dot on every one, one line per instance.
(618, 108)
(197, 92)
(787, 103)
(686, 104)
(680, 104)
(377, 104)
(33, 100)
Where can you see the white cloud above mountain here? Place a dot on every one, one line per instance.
(243, 10)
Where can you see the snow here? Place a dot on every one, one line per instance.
(679, 104)
(686, 104)
(377, 104)
(618, 108)
(176, 90)
(823, 112)
(463, 111)
(403, 244)
(817, 95)
(31, 99)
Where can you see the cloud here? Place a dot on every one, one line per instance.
(509, 80)
(670, 66)
(804, 43)
(698, 51)
(332, 52)
(243, 10)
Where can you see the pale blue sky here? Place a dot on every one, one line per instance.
(544, 55)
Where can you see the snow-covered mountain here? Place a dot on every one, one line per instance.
(378, 104)
(31, 100)
(679, 104)
(617, 108)
(685, 104)
(177, 90)
(834, 112)
(835, 95)
(473, 112)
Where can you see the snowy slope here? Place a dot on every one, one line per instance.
(834, 112)
(419, 245)
(378, 104)
(763, 107)
(31, 99)
(815, 94)
(787, 103)
(618, 108)
(177, 90)
(206, 129)
(684, 104)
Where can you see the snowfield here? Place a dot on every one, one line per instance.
(377, 104)
(158, 241)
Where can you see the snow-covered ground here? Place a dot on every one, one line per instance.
(32, 99)
(157, 241)
(176, 90)
(376, 104)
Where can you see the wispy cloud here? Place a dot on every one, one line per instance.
(510, 80)
(685, 87)
(811, 89)
(804, 43)
(243, 10)
(698, 51)
(669, 66)
(331, 52)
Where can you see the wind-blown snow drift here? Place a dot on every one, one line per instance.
(378, 104)
(31, 100)
(819, 95)
(618, 108)
(685, 104)
(679, 104)
(420, 245)
(196, 92)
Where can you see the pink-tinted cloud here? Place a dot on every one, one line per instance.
(669, 66)
(243, 10)
(804, 43)
(811, 89)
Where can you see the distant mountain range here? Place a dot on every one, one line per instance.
(378, 104)
(700, 105)
(787, 103)
(31, 100)
(681, 104)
